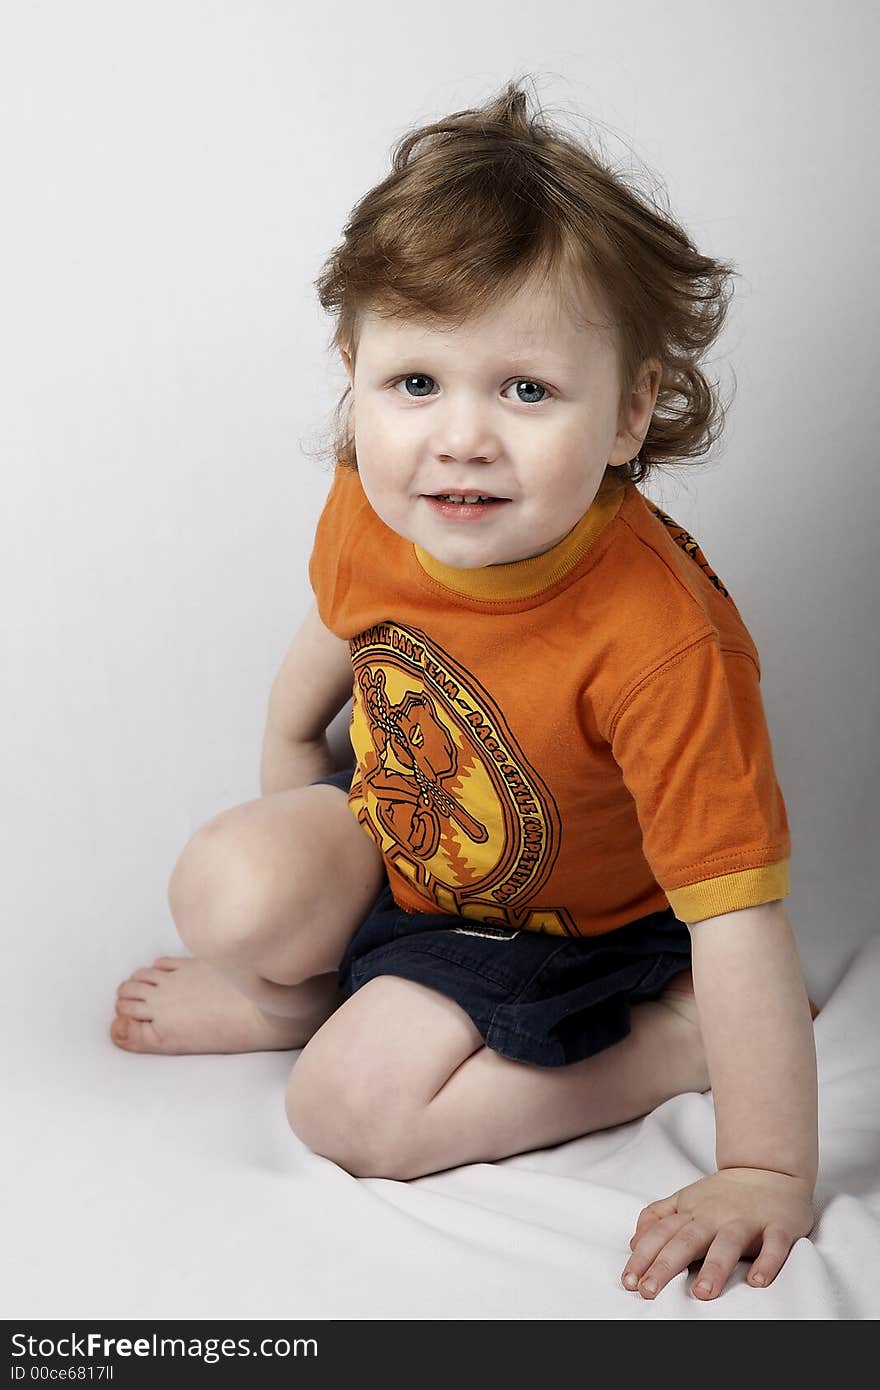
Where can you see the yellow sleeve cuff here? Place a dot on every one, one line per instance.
(730, 892)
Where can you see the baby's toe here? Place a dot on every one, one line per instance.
(148, 973)
(134, 1008)
(119, 1030)
(133, 1035)
(133, 989)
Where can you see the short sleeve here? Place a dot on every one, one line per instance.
(330, 562)
(692, 743)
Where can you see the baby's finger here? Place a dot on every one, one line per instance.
(687, 1244)
(773, 1254)
(648, 1246)
(721, 1259)
(650, 1215)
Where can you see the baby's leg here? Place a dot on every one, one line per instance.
(398, 1083)
(267, 896)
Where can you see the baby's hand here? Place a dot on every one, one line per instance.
(731, 1213)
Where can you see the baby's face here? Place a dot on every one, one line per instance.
(521, 404)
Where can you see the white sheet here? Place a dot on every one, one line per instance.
(156, 1187)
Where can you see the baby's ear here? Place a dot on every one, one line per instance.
(346, 362)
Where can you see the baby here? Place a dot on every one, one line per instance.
(546, 893)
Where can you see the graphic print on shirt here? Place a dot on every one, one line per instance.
(685, 541)
(444, 788)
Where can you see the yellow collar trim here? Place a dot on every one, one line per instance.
(525, 578)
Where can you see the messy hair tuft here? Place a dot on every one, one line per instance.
(485, 198)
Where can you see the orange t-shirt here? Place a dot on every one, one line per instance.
(565, 743)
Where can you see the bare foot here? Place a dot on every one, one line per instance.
(183, 1005)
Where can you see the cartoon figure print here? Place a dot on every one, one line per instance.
(411, 803)
(443, 786)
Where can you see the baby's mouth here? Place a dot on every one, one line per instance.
(463, 501)
(469, 499)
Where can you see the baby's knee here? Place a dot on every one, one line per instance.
(230, 887)
(337, 1117)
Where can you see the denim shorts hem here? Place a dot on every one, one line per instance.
(508, 1042)
(555, 1041)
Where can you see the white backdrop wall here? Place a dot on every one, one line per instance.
(174, 173)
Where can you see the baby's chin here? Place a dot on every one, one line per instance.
(470, 557)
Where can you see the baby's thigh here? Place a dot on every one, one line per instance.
(363, 1078)
(285, 879)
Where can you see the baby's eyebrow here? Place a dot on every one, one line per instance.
(528, 359)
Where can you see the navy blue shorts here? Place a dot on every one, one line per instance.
(534, 997)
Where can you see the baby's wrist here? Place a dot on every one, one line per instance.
(806, 1181)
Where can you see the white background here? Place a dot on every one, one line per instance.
(173, 175)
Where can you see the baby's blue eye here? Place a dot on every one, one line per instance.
(421, 378)
(416, 376)
(533, 386)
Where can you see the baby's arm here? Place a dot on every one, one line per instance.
(759, 1041)
(313, 684)
(758, 1036)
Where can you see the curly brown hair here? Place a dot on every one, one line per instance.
(476, 202)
